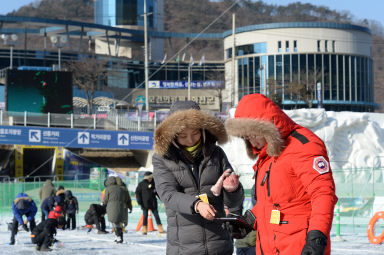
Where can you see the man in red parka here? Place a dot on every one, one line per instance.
(295, 191)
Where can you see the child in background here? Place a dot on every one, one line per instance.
(43, 233)
(95, 215)
(72, 208)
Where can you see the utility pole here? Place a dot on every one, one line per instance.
(235, 89)
(146, 56)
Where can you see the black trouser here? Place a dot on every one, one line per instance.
(15, 226)
(118, 230)
(155, 214)
(42, 239)
(73, 218)
(99, 222)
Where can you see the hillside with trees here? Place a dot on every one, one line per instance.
(209, 17)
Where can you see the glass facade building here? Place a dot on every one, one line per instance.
(124, 12)
(335, 72)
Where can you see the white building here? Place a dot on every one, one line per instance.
(333, 60)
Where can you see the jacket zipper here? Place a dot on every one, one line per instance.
(266, 179)
(261, 249)
(197, 183)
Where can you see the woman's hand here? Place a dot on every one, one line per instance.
(231, 182)
(207, 211)
(216, 189)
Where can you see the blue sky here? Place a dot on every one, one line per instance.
(361, 9)
(369, 9)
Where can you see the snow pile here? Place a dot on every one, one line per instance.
(353, 139)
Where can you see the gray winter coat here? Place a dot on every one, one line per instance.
(47, 190)
(127, 202)
(188, 232)
(114, 199)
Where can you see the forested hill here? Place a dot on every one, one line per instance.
(208, 17)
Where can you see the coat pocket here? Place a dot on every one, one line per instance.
(291, 225)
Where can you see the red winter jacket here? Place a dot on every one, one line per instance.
(292, 175)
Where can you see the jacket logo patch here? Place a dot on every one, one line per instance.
(320, 164)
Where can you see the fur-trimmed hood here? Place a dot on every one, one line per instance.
(60, 192)
(22, 196)
(257, 115)
(168, 130)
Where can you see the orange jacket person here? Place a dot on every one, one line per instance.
(295, 191)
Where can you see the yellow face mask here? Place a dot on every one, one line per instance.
(193, 148)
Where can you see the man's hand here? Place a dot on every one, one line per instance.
(240, 231)
(25, 227)
(236, 231)
(26, 222)
(207, 211)
(315, 243)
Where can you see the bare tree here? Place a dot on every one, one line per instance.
(87, 72)
(303, 89)
(217, 76)
(274, 91)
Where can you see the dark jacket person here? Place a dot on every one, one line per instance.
(43, 233)
(147, 199)
(188, 163)
(95, 215)
(72, 208)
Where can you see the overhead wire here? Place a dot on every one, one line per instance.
(201, 32)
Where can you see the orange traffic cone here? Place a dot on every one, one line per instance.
(150, 222)
(140, 223)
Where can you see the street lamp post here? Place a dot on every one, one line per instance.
(59, 42)
(189, 81)
(146, 56)
(11, 41)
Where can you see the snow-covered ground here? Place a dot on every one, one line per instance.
(80, 242)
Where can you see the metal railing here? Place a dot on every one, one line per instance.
(115, 119)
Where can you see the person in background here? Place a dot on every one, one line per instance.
(95, 215)
(50, 203)
(146, 198)
(128, 202)
(43, 234)
(22, 205)
(295, 190)
(247, 245)
(61, 193)
(47, 190)
(72, 208)
(115, 200)
(187, 164)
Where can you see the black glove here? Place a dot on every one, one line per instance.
(315, 243)
(243, 226)
(25, 227)
(236, 231)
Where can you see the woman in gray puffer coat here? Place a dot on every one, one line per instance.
(115, 200)
(188, 163)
